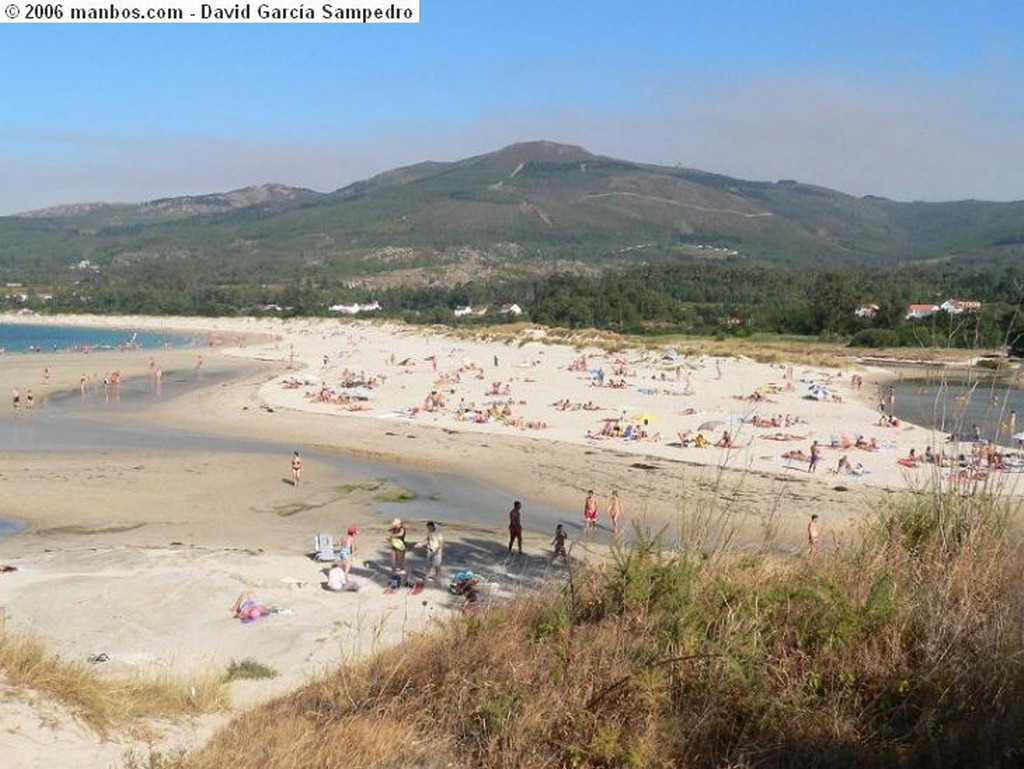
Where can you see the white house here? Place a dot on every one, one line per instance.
(356, 308)
(458, 312)
(921, 310)
(511, 309)
(957, 306)
(867, 311)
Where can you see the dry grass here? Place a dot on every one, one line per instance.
(103, 702)
(762, 348)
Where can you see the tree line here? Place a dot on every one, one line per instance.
(693, 298)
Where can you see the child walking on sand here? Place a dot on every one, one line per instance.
(559, 544)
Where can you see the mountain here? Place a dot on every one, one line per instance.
(268, 197)
(529, 207)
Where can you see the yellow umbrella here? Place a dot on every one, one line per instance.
(644, 416)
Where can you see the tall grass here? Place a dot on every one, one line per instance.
(104, 702)
(903, 648)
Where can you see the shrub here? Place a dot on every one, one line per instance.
(248, 669)
(876, 338)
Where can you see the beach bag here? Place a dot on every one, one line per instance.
(394, 581)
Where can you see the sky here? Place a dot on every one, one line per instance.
(911, 100)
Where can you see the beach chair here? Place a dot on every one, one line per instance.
(323, 547)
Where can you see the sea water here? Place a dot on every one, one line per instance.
(956, 407)
(30, 337)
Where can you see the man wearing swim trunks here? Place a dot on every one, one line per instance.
(590, 511)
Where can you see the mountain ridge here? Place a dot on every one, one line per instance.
(528, 207)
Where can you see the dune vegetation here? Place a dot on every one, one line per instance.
(900, 649)
(104, 702)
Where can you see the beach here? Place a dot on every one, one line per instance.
(139, 553)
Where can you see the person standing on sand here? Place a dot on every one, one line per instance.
(515, 526)
(347, 551)
(812, 465)
(15, 398)
(434, 543)
(590, 511)
(615, 511)
(296, 469)
(813, 535)
(396, 545)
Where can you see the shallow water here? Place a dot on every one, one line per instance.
(70, 422)
(958, 406)
(27, 338)
(10, 526)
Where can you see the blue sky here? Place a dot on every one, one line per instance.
(911, 100)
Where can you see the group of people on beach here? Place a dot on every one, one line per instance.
(432, 543)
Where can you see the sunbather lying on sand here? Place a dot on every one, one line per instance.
(246, 609)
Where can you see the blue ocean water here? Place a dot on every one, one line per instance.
(23, 338)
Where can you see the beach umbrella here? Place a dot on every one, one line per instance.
(712, 424)
(644, 416)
